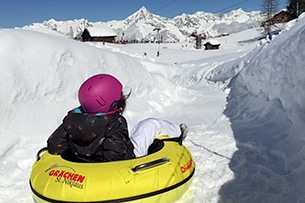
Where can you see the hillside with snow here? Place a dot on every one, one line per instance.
(140, 25)
(266, 109)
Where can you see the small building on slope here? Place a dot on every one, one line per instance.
(212, 44)
(100, 33)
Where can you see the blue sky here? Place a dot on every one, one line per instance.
(18, 13)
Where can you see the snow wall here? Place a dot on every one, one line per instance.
(266, 107)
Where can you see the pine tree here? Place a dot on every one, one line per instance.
(296, 7)
(269, 8)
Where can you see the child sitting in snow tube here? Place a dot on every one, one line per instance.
(97, 132)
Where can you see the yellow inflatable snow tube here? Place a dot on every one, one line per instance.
(161, 177)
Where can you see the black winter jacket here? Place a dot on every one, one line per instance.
(92, 138)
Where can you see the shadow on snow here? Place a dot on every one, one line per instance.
(269, 165)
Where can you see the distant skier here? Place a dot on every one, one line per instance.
(270, 35)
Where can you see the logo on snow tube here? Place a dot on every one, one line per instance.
(67, 175)
(187, 166)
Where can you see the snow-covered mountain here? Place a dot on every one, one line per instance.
(141, 25)
(215, 24)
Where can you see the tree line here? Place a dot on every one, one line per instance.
(296, 7)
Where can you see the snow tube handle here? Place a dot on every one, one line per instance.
(40, 152)
(150, 164)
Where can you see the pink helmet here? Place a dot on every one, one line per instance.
(99, 93)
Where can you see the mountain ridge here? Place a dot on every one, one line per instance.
(140, 25)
